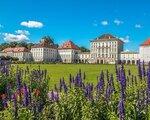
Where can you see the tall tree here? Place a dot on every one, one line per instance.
(48, 38)
(84, 49)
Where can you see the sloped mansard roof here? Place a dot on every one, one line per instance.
(107, 37)
(69, 45)
(16, 49)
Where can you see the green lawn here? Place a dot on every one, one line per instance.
(57, 71)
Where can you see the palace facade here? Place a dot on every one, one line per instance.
(105, 49)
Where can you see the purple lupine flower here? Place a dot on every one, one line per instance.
(122, 82)
(63, 86)
(100, 84)
(122, 77)
(143, 69)
(3, 69)
(112, 81)
(139, 70)
(148, 84)
(149, 65)
(8, 90)
(109, 91)
(18, 79)
(88, 91)
(26, 96)
(78, 81)
(148, 79)
(53, 95)
(4, 101)
(6, 69)
(14, 99)
(110, 88)
(121, 110)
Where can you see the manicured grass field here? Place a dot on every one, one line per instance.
(57, 71)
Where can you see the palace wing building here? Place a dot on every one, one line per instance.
(145, 51)
(68, 52)
(22, 53)
(106, 49)
(44, 51)
(129, 57)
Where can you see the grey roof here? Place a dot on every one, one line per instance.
(106, 37)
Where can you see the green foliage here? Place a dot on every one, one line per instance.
(73, 103)
(15, 44)
(83, 49)
(25, 114)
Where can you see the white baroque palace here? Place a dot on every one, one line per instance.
(68, 52)
(22, 53)
(44, 51)
(105, 49)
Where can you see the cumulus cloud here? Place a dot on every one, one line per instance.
(24, 32)
(21, 35)
(32, 24)
(126, 39)
(15, 38)
(118, 22)
(104, 22)
(138, 26)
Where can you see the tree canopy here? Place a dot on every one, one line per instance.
(15, 44)
(84, 49)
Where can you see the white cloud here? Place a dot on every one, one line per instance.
(104, 23)
(23, 32)
(138, 26)
(32, 24)
(126, 39)
(118, 22)
(21, 35)
(15, 38)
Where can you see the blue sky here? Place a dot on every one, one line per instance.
(78, 20)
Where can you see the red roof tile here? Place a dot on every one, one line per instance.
(16, 49)
(69, 45)
(146, 43)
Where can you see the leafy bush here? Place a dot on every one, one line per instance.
(25, 95)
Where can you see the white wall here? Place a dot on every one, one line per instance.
(145, 53)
